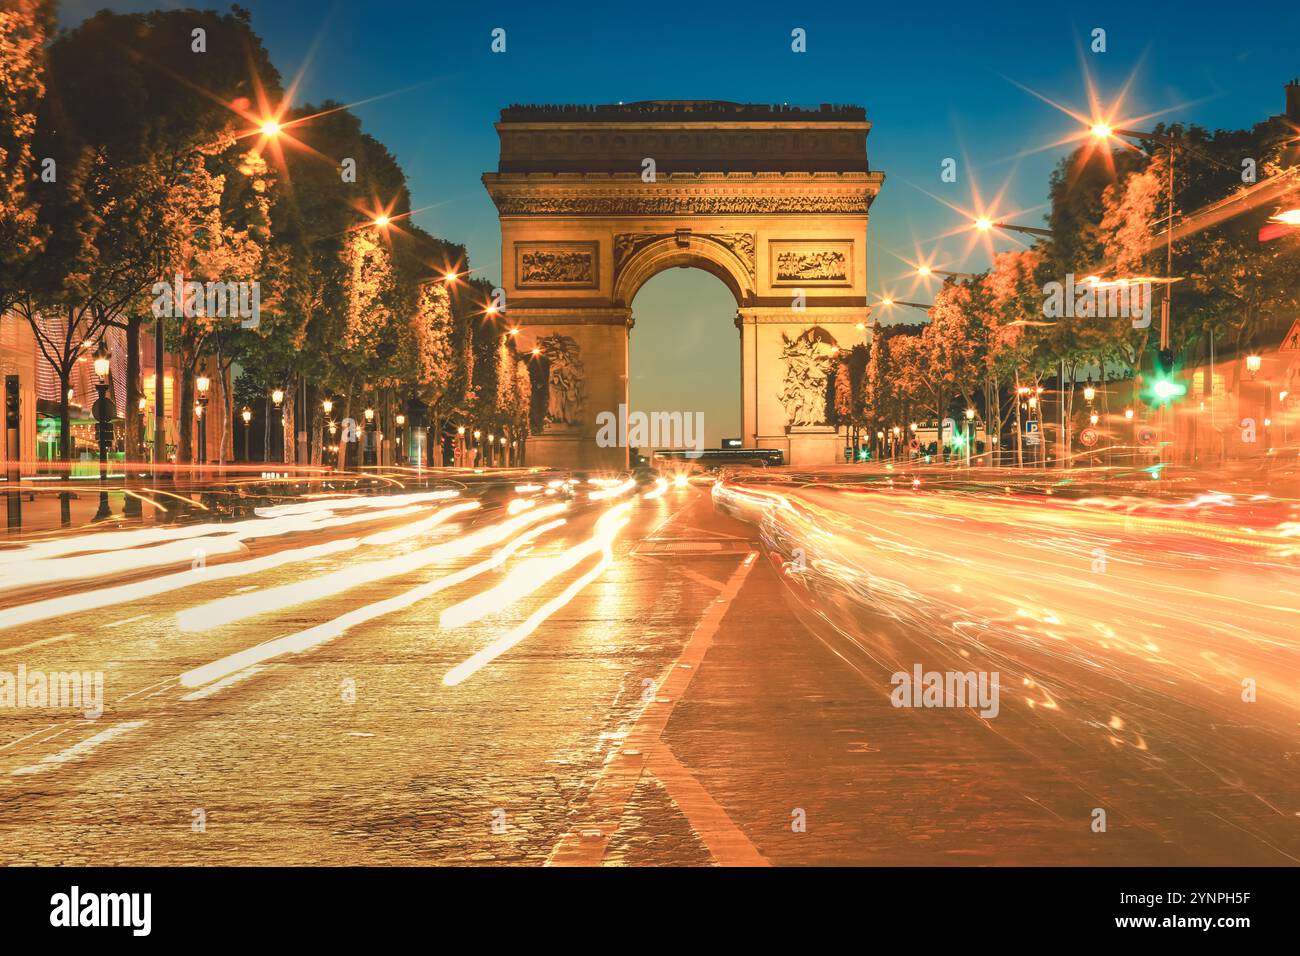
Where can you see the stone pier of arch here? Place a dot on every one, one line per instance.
(594, 201)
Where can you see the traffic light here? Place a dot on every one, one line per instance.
(1164, 386)
(13, 412)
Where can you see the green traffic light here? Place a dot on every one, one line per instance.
(1165, 389)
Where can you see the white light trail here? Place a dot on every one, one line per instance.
(123, 593)
(466, 669)
(238, 607)
(312, 637)
(661, 485)
(532, 575)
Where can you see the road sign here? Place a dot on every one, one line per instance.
(1088, 437)
(1146, 436)
(1291, 341)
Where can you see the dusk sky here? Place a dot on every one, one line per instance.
(937, 80)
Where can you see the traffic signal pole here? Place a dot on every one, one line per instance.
(13, 453)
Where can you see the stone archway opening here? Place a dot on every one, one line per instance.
(684, 351)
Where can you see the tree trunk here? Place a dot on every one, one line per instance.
(134, 434)
(185, 413)
(287, 432)
(1020, 450)
(65, 444)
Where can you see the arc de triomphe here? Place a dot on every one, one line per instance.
(595, 200)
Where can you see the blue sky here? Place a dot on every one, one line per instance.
(935, 78)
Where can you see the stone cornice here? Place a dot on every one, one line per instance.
(694, 111)
(624, 194)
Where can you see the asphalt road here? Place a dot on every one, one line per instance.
(652, 681)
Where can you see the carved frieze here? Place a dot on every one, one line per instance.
(633, 204)
(556, 265)
(804, 262)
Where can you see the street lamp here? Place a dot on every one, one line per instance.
(1102, 131)
(277, 398)
(1253, 363)
(925, 272)
(327, 406)
(400, 420)
(1089, 393)
(202, 383)
(985, 224)
(247, 416)
(370, 436)
(104, 427)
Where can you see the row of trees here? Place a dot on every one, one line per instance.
(135, 149)
(990, 335)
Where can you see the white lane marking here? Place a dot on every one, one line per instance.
(585, 844)
(43, 641)
(79, 750)
(136, 693)
(225, 682)
(27, 736)
(127, 620)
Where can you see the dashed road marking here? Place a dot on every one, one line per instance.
(79, 750)
(225, 682)
(43, 641)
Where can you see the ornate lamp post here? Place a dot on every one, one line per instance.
(333, 444)
(399, 447)
(247, 416)
(103, 428)
(460, 446)
(277, 443)
(202, 383)
(370, 436)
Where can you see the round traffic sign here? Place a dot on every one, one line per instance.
(1088, 437)
(1146, 435)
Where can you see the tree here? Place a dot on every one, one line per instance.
(24, 26)
(218, 225)
(128, 105)
(434, 328)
